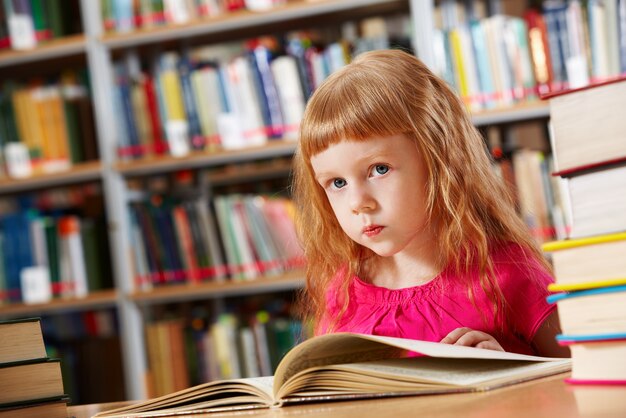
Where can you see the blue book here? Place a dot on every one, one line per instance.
(260, 58)
(483, 67)
(125, 109)
(554, 14)
(17, 251)
(191, 112)
(566, 339)
(557, 297)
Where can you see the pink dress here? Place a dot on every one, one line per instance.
(432, 310)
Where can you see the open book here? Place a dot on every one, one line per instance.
(351, 366)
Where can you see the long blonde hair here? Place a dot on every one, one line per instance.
(390, 92)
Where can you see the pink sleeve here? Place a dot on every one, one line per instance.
(524, 283)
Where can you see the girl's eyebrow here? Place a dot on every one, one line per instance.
(324, 175)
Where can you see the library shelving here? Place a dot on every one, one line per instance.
(95, 300)
(101, 50)
(56, 48)
(78, 173)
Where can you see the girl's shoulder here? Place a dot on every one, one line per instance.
(511, 253)
(514, 264)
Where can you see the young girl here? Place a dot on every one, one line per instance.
(407, 231)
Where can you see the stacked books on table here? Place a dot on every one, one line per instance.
(589, 143)
(30, 382)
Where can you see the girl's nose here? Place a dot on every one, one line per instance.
(361, 200)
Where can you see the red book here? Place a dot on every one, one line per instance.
(160, 145)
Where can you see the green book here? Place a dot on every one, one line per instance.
(40, 19)
(3, 277)
(52, 244)
(70, 110)
(55, 18)
(7, 113)
(93, 258)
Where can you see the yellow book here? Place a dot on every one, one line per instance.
(173, 95)
(140, 112)
(45, 118)
(28, 126)
(37, 130)
(457, 55)
(556, 287)
(591, 262)
(62, 158)
(580, 242)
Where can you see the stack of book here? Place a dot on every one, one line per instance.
(589, 143)
(30, 382)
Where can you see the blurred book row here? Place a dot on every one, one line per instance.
(177, 242)
(54, 249)
(46, 125)
(126, 15)
(524, 163)
(184, 352)
(494, 58)
(24, 24)
(234, 95)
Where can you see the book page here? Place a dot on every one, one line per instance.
(415, 375)
(209, 397)
(351, 348)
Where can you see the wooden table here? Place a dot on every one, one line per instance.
(548, 397)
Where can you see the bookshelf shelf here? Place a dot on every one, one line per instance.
(56, 48)
(242, 174)
(244, 19)
(526, 111)
(78, 173)
(178, 293)
(163, 164)
(97, 299)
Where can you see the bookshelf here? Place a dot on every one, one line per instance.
(178, 293)
(56, 48)
(100, 50)
(82, 172)
(95, 300)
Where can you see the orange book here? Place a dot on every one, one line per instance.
(539, 50)
(185, 243)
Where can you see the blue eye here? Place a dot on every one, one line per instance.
(339, 183)
(380, 169)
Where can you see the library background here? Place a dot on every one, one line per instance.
(146, 146)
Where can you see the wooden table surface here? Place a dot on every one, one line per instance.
(548, 397)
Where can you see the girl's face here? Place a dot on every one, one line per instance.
(377, 189)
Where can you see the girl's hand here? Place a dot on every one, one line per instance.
(470, 338)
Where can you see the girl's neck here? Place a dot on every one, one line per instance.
(404, 269)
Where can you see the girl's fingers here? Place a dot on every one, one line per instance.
(470, 338)
(490, 345)
(454, 336)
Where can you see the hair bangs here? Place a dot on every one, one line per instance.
(352, 106)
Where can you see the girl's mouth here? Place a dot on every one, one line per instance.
(372, 230)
